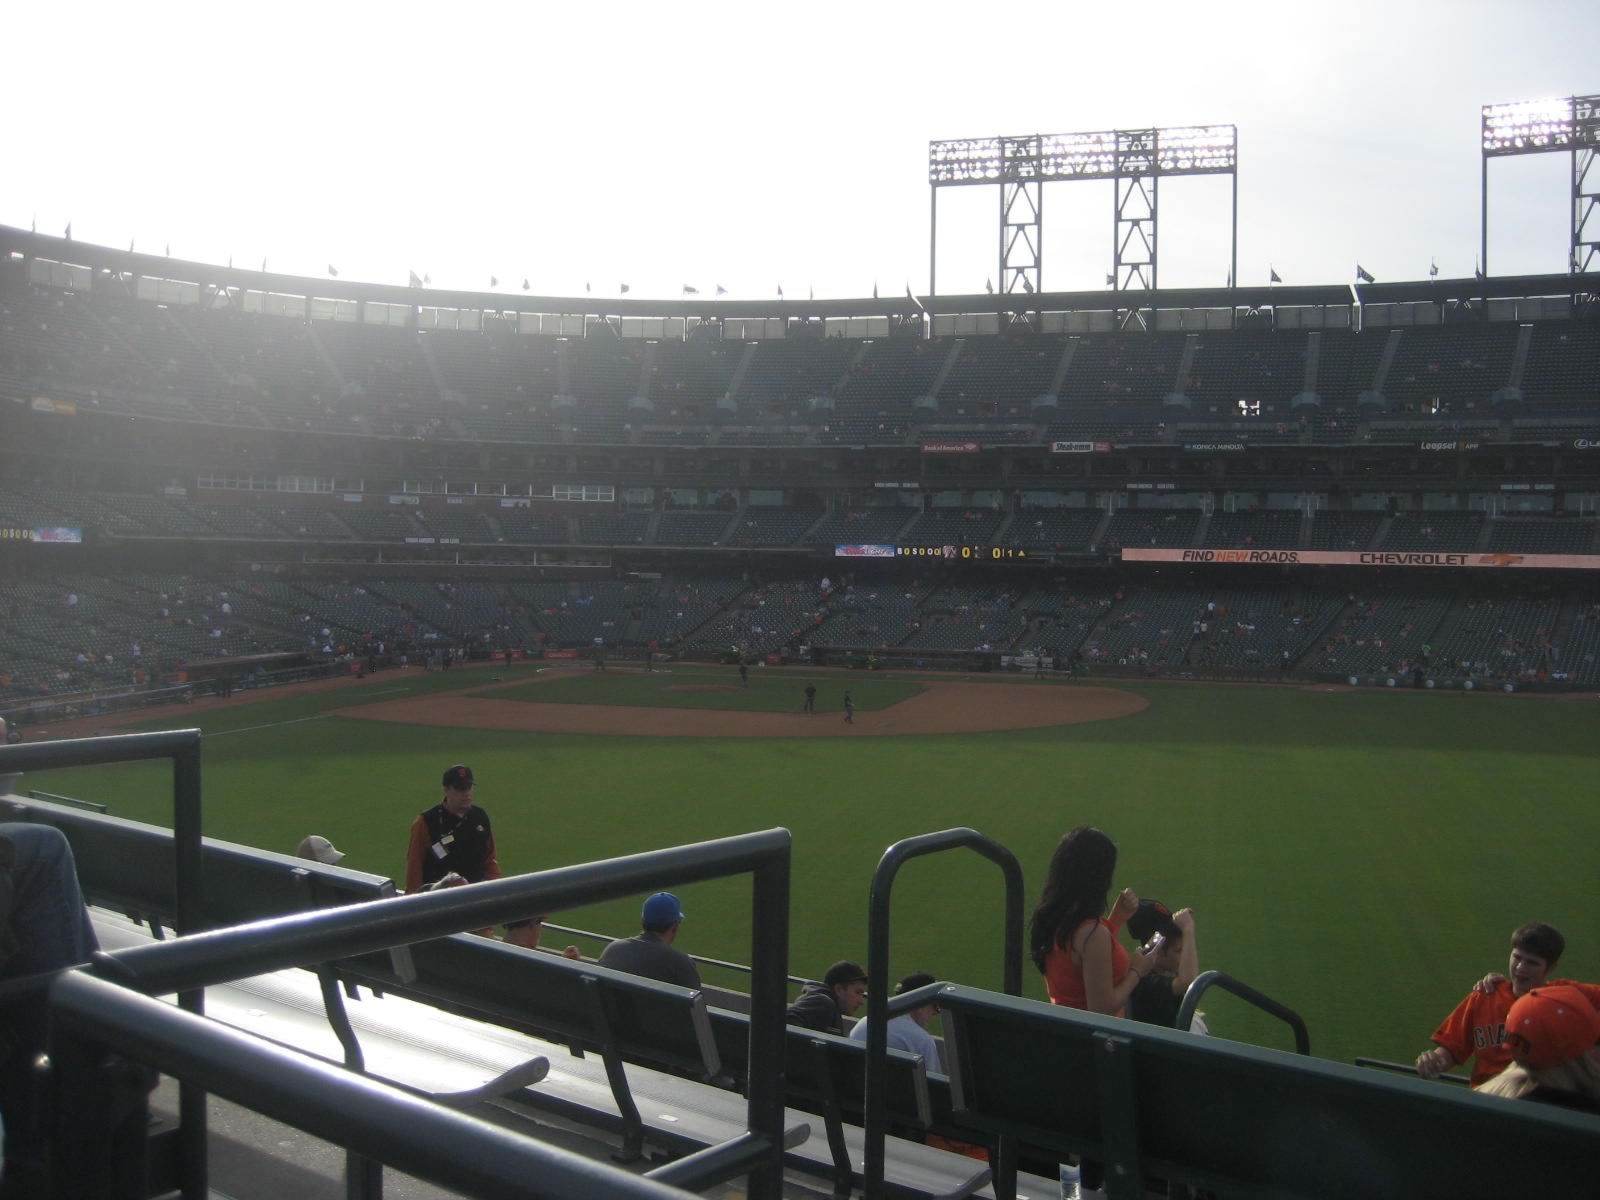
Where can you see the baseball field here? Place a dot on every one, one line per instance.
(1361, 856)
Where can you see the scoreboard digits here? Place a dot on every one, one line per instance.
(962, 553)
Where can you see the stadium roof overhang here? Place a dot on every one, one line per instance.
(107, 259)
(1445, 291)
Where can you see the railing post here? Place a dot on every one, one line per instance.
(186, 835)
(878, 986)
(769, 996)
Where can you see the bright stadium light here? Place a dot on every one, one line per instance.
(1561, 125)
(1134, 158)
(1530, 126)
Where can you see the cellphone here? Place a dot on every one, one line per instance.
(1155, 944)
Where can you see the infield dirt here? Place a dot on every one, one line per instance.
(942, 707)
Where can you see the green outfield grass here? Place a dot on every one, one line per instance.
(1362, 856)
(768, 691)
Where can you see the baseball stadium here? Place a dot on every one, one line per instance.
(830, 617)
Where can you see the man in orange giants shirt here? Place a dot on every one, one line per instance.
(1477, 1027)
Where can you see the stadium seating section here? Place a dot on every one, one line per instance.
(111, 353)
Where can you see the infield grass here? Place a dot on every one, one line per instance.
(1360, 856)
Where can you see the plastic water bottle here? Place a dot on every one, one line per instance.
(1071, 1181)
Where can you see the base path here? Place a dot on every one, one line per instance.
(942, 708)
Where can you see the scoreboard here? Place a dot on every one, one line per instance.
(50, 533)
(949, 552)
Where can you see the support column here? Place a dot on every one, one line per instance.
(1585, 210)
(1021, 215)
(1136, 195)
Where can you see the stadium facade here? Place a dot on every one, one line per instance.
(1335, 481)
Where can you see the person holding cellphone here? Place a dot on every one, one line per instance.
(1072, 943)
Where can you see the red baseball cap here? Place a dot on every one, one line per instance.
(1551, 1025)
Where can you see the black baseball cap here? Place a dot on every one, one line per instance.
(458, 776)
(843, 971)
(1151, 918)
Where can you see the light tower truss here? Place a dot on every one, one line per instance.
(1563, 124)
(1135, 160)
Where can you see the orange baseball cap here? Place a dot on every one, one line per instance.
(1551, 1025)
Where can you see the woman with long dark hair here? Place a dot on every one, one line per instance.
(1073, 945)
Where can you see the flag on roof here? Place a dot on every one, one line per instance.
(1027, 286)
(690, 291)
(333, 270)
(130, 245)
(524, 285)
(911, 296)
(1364, 275)
(69, 231)
(1111, 279)
(264, 267)
(1477, 271)
(780, 291)
(230, 262)
(412, 278)
(811, 292)
(587, 287)
(624, 289)
(1433, 269)
(874, 289)
(494, 281)
(1273, 276)
(988, 286)
(721, 291)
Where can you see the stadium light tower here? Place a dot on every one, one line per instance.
(1134, 159)
(1569, 124)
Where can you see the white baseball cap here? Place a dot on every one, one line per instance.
(319, 849)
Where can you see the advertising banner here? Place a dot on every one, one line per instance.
(951, 446)
(1369, 558)
(863, 551)
(1080, 447)
(58, 533)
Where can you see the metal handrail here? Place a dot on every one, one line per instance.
(182, 746)
(372, 1118)
(1383, 1064)
(219, 956)
(703, 959)
(878, 913)
(1209, 979)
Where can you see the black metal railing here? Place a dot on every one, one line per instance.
(882, 1007)
(366, 1116)
(1210, 979)
(182, 746)
(1394, 1068)
(219, 956)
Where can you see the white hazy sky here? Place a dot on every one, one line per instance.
(759, 144)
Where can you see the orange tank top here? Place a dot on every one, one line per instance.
(1063, 978)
